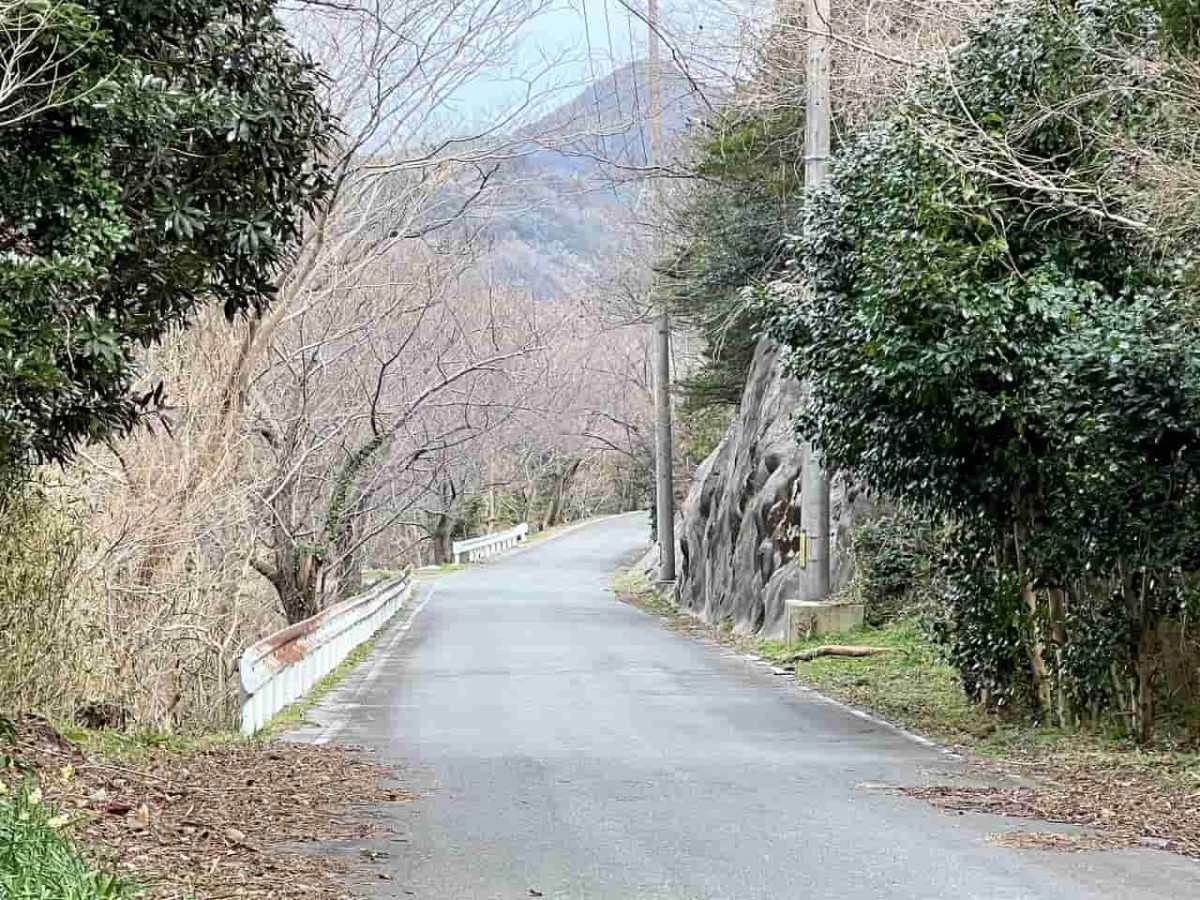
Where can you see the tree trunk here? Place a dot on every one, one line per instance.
(443, 529)
(1037, 650)
(1145, 669)
(561, 482)
(1057, 597)
(531, 499)
(295, 579)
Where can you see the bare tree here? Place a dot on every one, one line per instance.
(42, 46)
(297, 438)
(362, 391)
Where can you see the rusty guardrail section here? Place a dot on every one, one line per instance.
(282, 667)
(489, 544)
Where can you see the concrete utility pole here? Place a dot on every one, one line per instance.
(664, 440)
(814, 497)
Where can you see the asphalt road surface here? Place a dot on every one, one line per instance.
(567, 744)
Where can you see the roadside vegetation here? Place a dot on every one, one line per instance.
(1123, 793)
(991, 307)
(38, 860)
(997, 329)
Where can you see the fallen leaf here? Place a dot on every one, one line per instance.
(139, 819)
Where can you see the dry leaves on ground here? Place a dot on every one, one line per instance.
(209, 824)
(1119, 806)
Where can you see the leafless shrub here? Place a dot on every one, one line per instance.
(44, 653)
(876, 47)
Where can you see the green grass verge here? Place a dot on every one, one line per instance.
(135, 746)
(914, 687)
(38, 861)
(910, 685)
(441, 569)
(372, 577)
(639, 590)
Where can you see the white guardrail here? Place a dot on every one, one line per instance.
(489, 544)
(283, 666)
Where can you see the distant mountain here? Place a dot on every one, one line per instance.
(567, 205)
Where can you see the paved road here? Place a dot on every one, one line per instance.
(565, 743)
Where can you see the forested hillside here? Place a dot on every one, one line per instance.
(575, 202)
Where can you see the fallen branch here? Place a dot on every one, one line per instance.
(834, 650)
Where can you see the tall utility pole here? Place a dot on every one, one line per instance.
(664, 440)
(814, 497)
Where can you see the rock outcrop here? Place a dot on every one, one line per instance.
(740, 526)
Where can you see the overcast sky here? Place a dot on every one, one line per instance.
(553, 49)
(564, 34)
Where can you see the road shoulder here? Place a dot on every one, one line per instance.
(1116, 794)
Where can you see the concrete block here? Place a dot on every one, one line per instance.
(807, 618)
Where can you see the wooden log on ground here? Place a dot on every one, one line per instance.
(834, 650)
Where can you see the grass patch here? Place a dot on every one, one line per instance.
(38, 861)
(372, 577)
(914, 687)
(636, 588)
(136, 746)
(911, 685)
(441, 568)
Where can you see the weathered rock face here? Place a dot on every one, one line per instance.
(740, 525)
